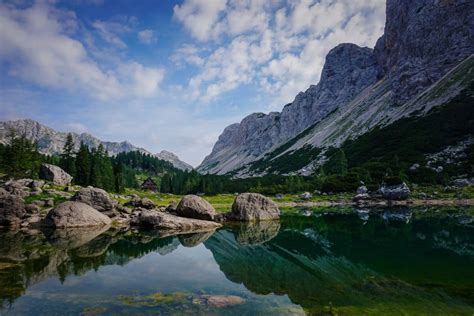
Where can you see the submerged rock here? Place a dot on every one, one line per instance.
(54, 174)
(192, 206)
(253, 206)
(163, 220)
(75, 214)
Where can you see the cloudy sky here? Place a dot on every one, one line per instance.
(163, 74)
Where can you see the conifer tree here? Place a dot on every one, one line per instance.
(83, 165)
(67, 161)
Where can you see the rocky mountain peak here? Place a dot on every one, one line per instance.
(423, 39)
(171, 157)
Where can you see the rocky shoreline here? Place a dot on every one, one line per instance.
(76, 206)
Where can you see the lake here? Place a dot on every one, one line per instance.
(379, 261)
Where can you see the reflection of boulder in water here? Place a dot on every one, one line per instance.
(397, 215)
(96, 247)
(71, 238)
(255, 233)
(192, 240)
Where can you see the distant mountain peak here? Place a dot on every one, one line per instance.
(51, 142)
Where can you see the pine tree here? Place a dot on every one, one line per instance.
(67, 161)
(83, 165)
(21, 157)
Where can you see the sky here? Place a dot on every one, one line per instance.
(168, 74)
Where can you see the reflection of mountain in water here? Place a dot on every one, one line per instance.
(344, 263)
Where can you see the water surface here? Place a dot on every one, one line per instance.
(390, 261)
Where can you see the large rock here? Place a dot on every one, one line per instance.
(75, 214)
(97, 198)
(395, 192)
(141, 202)
(166, 221)
(253, 206)
(18, 188)
(55, 174)
(193, 206)
(12, 209)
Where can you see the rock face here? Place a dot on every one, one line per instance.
(253, 207)
(163, 220)
(395, 192)
(170, 157)
(192, 206)
(55, 174)
(347, 71)
(97, 198)
(75, 214)
(423, 40)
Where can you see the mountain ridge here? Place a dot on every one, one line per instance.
(51, 142)
(406, 61)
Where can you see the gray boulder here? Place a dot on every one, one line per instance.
(18, 188)
(54, 174)
(306, 196)
(361, 197)
(253, 206)
(192, 206)
(171, 208)
(97, 198)
(75, 214)
(463, 182)
(395, 192)
(166, 221)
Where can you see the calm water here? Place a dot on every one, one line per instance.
(379, 262)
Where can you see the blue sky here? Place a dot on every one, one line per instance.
(164, 74)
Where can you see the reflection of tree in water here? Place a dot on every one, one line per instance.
(29, 257)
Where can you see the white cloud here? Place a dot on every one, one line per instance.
(146, 36)
(110, 32)
(38, 47)
(279, 47)
(200, 16)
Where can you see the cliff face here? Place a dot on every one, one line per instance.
(423, 40)
(347, 71)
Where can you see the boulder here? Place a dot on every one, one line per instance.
(143, 203)
(254, 206)
(395, 192)
(362, 190)
(75, 214)
(166, 221)
(171, 208)
(95, 197)
(192, 206)
(54, 174)
(463, 182)
(18, 188)
(306, 196)
(12, 209)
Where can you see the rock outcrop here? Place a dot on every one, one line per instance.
(193, 206)
(75, 214)
(253, 207)
(97, 198)
(54, 174)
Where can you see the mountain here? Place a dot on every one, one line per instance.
(51, 142)
(170, 157)
(423, 60)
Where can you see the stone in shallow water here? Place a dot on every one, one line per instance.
(193, 206)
